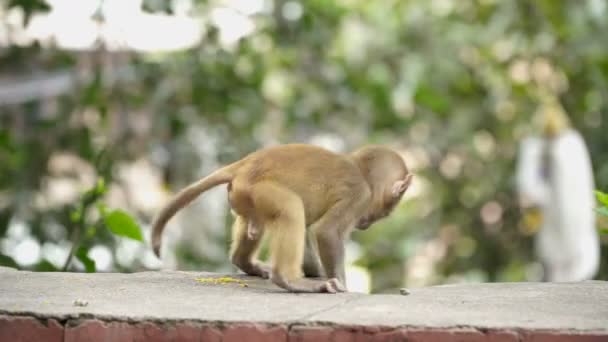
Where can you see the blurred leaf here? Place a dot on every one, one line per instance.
(602, 211)
(122, 224)
(92, 95)
(93, 194)
(89, 264)
(75, 215)
(45, 266)
(428, 97)
(5, 216)
(153, 6)
(602, 197)
(90, 232)
(7, 261)
(29, 8)
(103, 209)
(99, 189)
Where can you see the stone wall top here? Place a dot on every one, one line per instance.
(177, 297)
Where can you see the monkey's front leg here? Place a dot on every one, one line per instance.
(331, 251)
(331, 231)
(312, 266)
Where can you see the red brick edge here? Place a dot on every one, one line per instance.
(27, 328)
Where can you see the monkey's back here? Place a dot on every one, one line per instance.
(318, 176)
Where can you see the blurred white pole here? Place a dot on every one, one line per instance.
(554, 175)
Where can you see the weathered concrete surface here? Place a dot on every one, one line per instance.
(176, 297)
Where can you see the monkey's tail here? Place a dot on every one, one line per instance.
(184, 197)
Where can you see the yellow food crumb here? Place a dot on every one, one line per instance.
(221, 280)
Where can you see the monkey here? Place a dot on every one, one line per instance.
(308, 199)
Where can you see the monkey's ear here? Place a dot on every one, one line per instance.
(400, 186)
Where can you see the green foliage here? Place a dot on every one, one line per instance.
(603, 210)
(7, 261)
(119, 222)
(122, 224)
(29, 8)
(602, 198)
(452, 83)
(155, 6)
(89, 264)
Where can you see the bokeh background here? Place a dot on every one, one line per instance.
(117, 104)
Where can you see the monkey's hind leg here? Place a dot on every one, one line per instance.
(244, 249)
(282, 214)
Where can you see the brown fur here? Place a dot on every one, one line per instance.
(285, 189)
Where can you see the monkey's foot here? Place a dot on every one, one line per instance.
(333, 285)
(258, 270)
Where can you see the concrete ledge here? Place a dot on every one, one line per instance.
(175, 306)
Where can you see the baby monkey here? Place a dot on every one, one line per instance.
(308, 199)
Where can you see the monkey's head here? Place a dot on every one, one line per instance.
(388, 177)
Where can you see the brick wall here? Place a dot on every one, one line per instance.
(27, 328)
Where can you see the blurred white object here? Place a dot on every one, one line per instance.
(554, 174)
